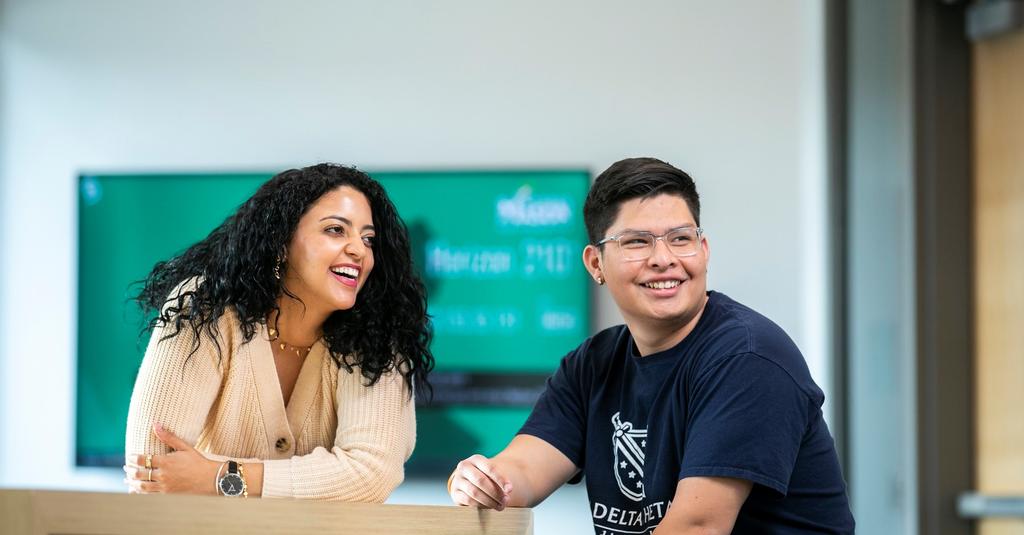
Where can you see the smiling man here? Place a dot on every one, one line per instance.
(698, 415)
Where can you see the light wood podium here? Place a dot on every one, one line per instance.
(80, 513)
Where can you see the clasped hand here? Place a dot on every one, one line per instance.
(184, 470)
(477, 482)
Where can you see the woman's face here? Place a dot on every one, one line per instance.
(331, 253)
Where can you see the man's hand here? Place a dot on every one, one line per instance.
(522, 475)
(477, 482)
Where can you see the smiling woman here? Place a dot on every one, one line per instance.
(285, 348)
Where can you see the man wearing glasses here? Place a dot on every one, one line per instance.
(698, 415)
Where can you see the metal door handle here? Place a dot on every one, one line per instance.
(974, 505)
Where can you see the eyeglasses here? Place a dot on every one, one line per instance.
(639, 244)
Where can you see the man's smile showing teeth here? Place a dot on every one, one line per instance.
(661, 285)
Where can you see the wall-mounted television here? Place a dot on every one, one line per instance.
(499, 252)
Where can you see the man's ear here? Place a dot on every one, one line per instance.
(592, 261)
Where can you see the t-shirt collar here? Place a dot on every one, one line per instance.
(679, 348)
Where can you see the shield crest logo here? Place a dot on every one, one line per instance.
(629, 445)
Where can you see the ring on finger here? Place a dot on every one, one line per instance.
(149, 462)
(150, 476)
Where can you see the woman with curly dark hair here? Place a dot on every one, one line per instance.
(285, 349)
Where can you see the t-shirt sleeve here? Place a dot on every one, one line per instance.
(747, 420)
(560, 415)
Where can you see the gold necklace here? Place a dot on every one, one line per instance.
(299, 350)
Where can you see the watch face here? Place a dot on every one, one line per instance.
(232, 485)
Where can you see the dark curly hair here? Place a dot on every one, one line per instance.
(235, 264)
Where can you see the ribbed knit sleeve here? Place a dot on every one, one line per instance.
(174, 389)
(375, 436)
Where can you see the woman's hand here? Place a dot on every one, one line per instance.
(184, 470)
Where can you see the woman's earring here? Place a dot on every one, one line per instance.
(277, 268)
(600, 280)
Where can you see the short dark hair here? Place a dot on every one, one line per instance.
(634, 178)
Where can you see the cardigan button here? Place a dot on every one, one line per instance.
(282, 444)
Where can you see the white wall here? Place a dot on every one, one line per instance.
(730, 91)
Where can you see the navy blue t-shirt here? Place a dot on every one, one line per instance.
(733, 399)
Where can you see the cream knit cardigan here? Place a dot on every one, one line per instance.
(336, 440)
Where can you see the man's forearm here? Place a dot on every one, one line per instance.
(691, 529)
(523, 493)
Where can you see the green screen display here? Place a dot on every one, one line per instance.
(498, 252)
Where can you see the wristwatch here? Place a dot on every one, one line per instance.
(233, 482)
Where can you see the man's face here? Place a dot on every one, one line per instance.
(663, 290)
